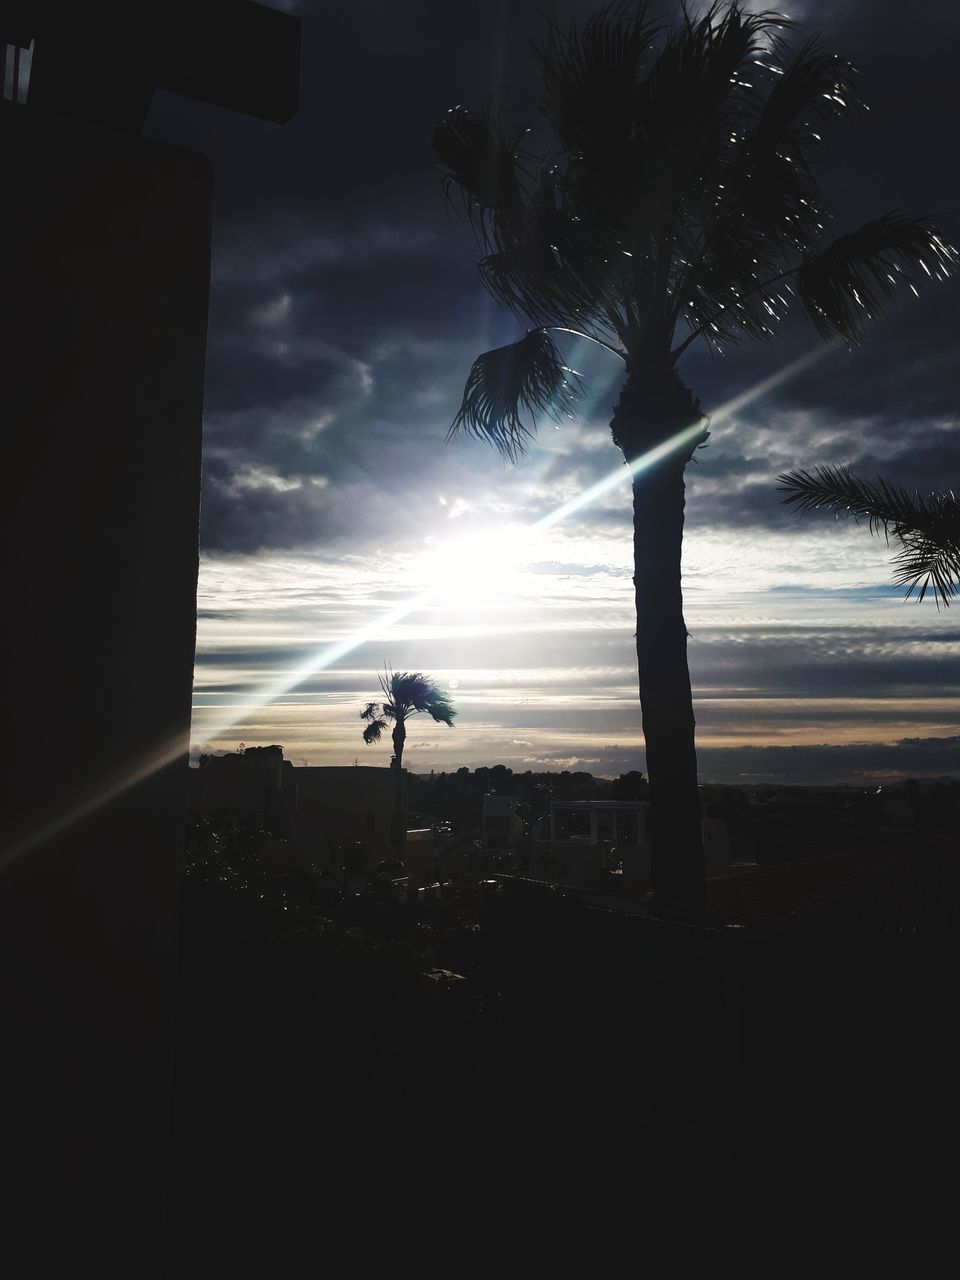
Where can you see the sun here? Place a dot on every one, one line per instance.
(471, 569)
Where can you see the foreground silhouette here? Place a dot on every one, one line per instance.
(681, 188)
(404, 695)
(927, 529)
(465, 1054)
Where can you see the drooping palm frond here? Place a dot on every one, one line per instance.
(849, 281)
(526, 377)
(922, 564)
(928, 529)
(373, 730)
(440, 707)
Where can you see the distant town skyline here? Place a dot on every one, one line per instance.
(345, 314)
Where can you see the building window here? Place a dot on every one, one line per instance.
(15, 71)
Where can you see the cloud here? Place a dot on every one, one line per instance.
(286, 248)
(863, 762)
(345, 314)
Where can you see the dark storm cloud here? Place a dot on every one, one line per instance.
(340, 213)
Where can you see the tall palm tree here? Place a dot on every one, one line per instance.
(405, 694)
(679, 201)
(927, 529)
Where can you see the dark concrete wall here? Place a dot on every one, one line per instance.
(103, 316)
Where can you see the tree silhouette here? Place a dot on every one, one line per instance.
(405, 694)
(927, 529)
(680, 195)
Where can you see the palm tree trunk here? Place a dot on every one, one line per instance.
(651, 409)
(399, 833)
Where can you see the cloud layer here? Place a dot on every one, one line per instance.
(345, 313)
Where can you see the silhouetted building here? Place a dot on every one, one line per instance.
(332, 806)
(316, 811)
(253, 784)
(106, 250)
(589, 839)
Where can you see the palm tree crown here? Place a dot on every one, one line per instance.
(404, 694)
(927, 529)
(679, 202)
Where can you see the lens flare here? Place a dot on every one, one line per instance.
(326, 656)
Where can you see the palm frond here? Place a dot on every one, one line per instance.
(407, 690)
(839, 490)
(373, 730)
(441, 708)
(928, 529)
(526, 377)
(811, 87)
(757, 207)
(697, 81)
(762, 187)
(370, 711)
(849, 281)
(922, 563)
(477, 156)
(547, 271)
(684, 186)
(590, 74)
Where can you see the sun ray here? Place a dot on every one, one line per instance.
(326, 656)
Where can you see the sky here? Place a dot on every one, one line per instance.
(341, 531)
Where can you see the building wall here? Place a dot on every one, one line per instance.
(329, 806)
(255, 786)
(106, 249)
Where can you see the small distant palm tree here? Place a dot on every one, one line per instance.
(680, 200)
(405, 694)
(927, 529)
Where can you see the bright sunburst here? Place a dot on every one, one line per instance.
(471, 570)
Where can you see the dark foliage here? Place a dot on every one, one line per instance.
(681, 195)
(927, 529)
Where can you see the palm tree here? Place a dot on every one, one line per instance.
(404, 694)
(679, 201)
(927, 529)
